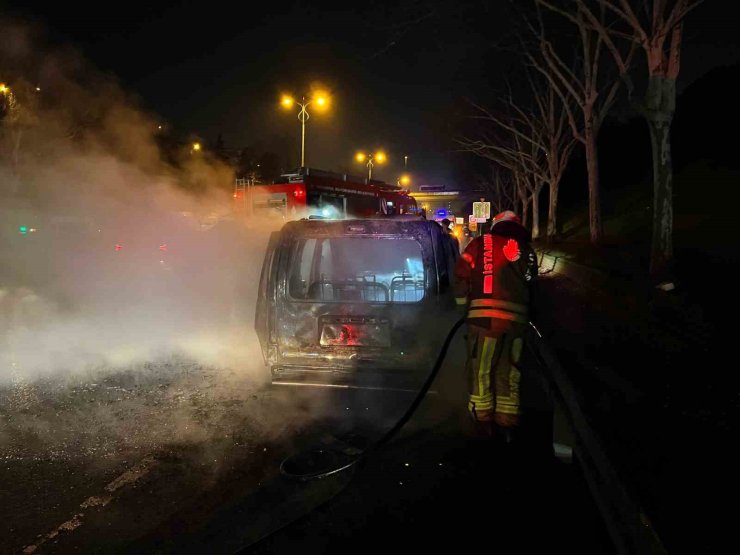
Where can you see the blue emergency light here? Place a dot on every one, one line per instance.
(441, 213)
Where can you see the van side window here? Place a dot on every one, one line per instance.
(300, 273)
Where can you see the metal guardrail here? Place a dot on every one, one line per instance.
(627, 524)
(559, 263)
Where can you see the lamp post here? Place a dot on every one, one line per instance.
(404, 179)
(322, 102)
(370, 160)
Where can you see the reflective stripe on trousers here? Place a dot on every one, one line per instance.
(499, 355)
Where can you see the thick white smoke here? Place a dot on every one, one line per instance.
(117, 245)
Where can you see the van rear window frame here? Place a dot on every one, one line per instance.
(298, 239)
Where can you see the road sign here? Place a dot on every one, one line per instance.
(481, 211)
(459, 221)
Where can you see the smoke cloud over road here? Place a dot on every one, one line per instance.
(118, 243)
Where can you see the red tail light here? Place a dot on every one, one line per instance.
(118, 247)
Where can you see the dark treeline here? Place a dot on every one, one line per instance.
(701, 137)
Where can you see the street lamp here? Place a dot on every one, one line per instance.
(404, 180)
(320, 99)
(370, 160)
(195, 148)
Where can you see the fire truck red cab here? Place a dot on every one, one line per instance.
(330, 195)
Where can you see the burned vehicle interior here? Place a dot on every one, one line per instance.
(357, 269)
(341, 300)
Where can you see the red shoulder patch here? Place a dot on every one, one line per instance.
(511, 250)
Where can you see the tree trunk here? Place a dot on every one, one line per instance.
(552, 211)
(525, 211)
(594, 202)
(660, 103)
(536, 212)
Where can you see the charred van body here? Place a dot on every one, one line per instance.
(353, 303)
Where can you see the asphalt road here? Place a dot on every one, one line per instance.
(95, 465)
(176, 457)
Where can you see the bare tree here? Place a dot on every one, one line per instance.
(524, 192)
(583, 84)
(537, 147)
(557, 142)
(500, 188)
(551, 143)
(528, 171)
(656, 26)
(513, 142)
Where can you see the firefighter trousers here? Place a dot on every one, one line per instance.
(494, 376)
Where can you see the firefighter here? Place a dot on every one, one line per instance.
(451, 248)
(447, 226)
(493, 280)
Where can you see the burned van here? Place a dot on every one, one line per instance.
(354, 303)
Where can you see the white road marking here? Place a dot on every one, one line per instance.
(125, 479)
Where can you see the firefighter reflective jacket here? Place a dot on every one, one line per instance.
(493, 277)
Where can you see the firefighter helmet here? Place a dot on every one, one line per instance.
(505, 216)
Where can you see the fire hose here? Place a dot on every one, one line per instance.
(341, 460)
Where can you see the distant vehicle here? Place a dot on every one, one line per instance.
(353, 303)
(311, 191)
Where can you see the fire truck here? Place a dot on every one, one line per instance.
(309, 191)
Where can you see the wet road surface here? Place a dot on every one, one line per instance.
(152, 451)
(175, 457)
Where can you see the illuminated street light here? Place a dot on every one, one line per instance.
(196, 148)
(320, 99)
(4, 88)
(370, 159)
(404, 180)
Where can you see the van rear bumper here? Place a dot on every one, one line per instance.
(350, 378)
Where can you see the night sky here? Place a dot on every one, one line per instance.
(399, 76)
